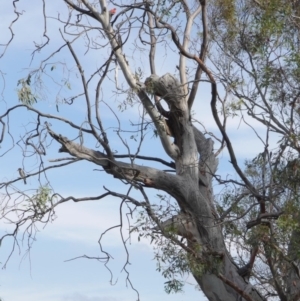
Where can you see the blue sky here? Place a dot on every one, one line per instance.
(44, 274)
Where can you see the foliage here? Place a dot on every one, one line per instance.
(24, 93)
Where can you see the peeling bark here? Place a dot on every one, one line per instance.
(171, 91)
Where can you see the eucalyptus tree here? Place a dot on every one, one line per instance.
(256, 60)
(241, 246)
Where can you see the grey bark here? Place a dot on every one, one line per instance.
(191, 187)
(293, 279)
(195, 164)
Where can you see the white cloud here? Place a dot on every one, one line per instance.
(81, 297)
(85, 222)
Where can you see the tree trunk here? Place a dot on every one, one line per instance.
(192, 189)
(293, 279)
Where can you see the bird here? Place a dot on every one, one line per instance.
(22, 174)
(112, 11)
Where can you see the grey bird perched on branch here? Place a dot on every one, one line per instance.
(22, 174)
